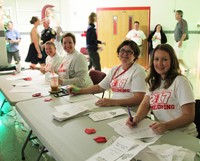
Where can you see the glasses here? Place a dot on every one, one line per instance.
(123, 51)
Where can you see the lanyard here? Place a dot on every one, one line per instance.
(114, 77)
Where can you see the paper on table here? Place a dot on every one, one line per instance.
(24, 89)
(90, 104)
(114, 151)
(141, 131)
(166, 152)
(98, 116)
(78, 98)
(69, 111)
(138, 146)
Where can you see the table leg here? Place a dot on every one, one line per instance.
(26, 142)
(43, 150)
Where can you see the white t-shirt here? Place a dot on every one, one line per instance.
(137, 36)
(52, 62)
(166, 103)
(157, 39)
(124, 85)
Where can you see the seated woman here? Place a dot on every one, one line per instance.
(126, 80)
(170, 95)
(73, 68)
(53, 60)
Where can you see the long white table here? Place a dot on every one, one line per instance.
(67, 140)
(14, 97)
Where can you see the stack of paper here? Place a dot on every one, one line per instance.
(98, 116)
(70, 111)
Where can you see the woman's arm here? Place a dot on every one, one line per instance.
(78, 72)
(187, 117)
(141, 113)
(34, 36)
(132, 101)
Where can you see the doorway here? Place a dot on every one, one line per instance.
(112, 26)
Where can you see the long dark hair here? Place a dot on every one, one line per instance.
(154, 79)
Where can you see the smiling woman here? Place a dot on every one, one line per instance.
(127, 80)
(170, 96)
(73, 68)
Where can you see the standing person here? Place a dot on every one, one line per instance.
(127, 80)
(48, 34)
(92, 43)
(73, 68)
(156, 37)
(13, 38)
(137, 36)
(34, 53)
(170, 95)
(181, 35)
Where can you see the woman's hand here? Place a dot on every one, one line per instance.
(131, 123)
(159, 127)
(104, 102)
(39, 55)
(73, 89)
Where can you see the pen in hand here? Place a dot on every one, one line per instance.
(131, 117)
(129, 112)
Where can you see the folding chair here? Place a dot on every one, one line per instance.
(97, 77)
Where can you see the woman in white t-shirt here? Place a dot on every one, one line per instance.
(127, 80)
(170, 95)
(156, 37)
(53, 60)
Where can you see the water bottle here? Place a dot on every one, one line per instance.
(18, 67)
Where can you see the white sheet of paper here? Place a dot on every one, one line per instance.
(177, 153)
(21, 89)
(78, 98)
(88, 103)
(68, 111)
(114, 151)
(137, 147)
(98, 116)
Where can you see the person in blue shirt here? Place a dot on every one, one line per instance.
(13, 39)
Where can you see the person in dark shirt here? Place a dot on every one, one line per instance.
(48, 34)
(180, 36)
(92, 43)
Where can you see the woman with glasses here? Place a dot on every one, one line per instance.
(127, 80)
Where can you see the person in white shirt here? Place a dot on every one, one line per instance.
(170, 96)
(73, 68)
(53, 60)
(137, 36)
(127, 80)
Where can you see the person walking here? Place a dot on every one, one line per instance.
(180, 36)
(92, 43)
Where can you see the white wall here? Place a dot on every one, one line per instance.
(73, 15)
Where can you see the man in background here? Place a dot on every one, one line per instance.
(48, 34)
(137, 36)
(13, 39)
(180, 36)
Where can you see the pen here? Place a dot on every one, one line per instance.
(129, 112)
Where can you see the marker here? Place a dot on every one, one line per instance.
(129, 112)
